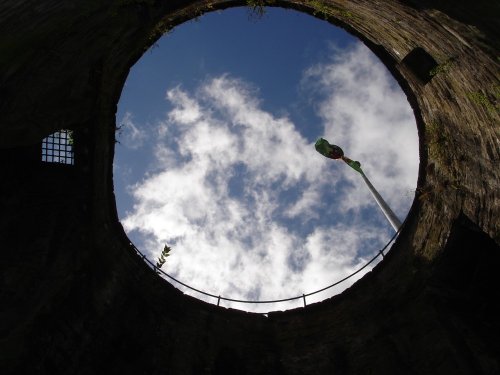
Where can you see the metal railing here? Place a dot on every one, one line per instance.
(303, 296)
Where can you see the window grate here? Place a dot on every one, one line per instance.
(58, 148)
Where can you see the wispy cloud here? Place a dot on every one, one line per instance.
(131, 134)
(366, 113)
(250, 208)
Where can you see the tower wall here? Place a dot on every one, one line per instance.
(76, 299)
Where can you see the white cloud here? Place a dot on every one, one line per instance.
(186, 110)
(304, 206)
(131, 134)
(366, 114)
(231, 178)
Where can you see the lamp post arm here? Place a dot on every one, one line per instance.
(389, 215)
(356, 165)
(335, 152)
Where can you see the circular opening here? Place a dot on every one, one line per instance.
(216, 158)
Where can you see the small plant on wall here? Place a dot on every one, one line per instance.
(439, 142)
(489, 102)
(257, 8)
(163, 256)
(444, 67)
(320, 8)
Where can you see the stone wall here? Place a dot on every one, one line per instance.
(76, 299)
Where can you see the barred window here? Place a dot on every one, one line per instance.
(58, 148)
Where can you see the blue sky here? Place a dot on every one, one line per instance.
(216, 155)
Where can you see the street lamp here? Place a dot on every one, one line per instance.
(335, 152)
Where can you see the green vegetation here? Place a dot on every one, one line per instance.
(257, 8)
(159, 30)
(482, 99)
(328, 10)
(200, 10)
(443, 67)
(319, 8)
(438, 142)
(69, 135)
(162, 258)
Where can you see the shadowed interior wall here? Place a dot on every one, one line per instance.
(76, 299)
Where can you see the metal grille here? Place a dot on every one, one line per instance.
(58, 148)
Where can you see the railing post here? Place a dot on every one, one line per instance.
(304, 298)
(218, 301)
(382, 253)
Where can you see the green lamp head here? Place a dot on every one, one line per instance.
(335, 152)
(328, 150)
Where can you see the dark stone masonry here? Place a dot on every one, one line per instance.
(76, 299)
